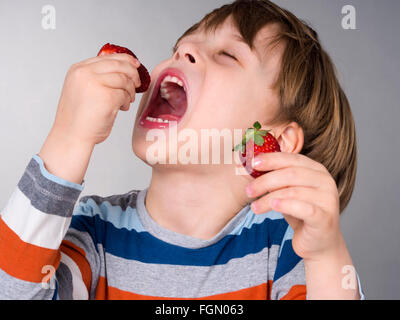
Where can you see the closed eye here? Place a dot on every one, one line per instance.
(228, 55)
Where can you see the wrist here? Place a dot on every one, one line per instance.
(66, 157)
(335, 250)
(327, 274)
(67, 139)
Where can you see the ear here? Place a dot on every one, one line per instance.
(290, 137)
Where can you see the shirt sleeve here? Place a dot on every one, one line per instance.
(360, 290)
(40, 257)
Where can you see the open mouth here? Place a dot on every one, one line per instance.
(168, 103)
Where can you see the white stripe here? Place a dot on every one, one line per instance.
(32, 225)
(79, 290)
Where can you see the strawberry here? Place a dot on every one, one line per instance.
(143, 73)
(255, 142)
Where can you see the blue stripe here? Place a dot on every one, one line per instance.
(288, 236)
(252, 218)
(287, 261)
(129, 219)
(55, 296)
(143, 247)
(56, 179)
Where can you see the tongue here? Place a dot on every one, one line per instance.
(177, 99)
(172, 109)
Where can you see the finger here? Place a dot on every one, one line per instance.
(122, 99)
(280, 160)
(126, 105)
(298, 209)
(118, 81)
(263, 204)
(115, 66)
(288, 177)
(294, 223)
(116, 56)
(118, 99)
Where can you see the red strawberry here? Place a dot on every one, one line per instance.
(255, 142)
(143, 73)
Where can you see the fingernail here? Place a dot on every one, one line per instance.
(254, 207)
(255, 162)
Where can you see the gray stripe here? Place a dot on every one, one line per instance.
(295, 277)
(179, 239)
(124, 200)
(273, 261)
(16, 289)
(64, 278)
(46, 195)
(84, 241)
(189, 281)
(102, 268)
(136, 199)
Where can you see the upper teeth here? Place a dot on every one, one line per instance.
(171, 79)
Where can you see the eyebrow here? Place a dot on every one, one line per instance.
(235, 37)
(239, 38)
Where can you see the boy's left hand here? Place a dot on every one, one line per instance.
(306, 194)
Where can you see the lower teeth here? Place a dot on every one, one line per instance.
(159, 120)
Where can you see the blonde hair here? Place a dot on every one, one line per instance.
(310, 93)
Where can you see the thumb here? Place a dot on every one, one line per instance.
(294, 223)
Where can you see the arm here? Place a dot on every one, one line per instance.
(38, 215)
(335, 271)
(34, 223)
(307, 196)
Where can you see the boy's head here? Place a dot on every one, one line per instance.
(254, 61)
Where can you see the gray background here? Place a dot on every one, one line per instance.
(33, 63)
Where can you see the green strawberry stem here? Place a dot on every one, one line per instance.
(255, 134)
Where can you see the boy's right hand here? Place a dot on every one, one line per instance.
(93, 93)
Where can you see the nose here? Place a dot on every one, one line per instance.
(187, 52)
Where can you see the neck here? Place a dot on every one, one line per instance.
(194, 204)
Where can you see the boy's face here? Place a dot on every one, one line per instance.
(221, 92)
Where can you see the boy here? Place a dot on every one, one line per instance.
(193, 233)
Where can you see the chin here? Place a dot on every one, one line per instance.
(139, 147)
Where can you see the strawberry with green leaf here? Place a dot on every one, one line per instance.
(255, 142)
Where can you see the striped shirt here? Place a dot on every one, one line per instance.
(53, 246)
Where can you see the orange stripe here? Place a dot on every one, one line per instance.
(254, 293)
(23, 260)
(269, 288)
(104, 292)
(297, 292)
(79, 256)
